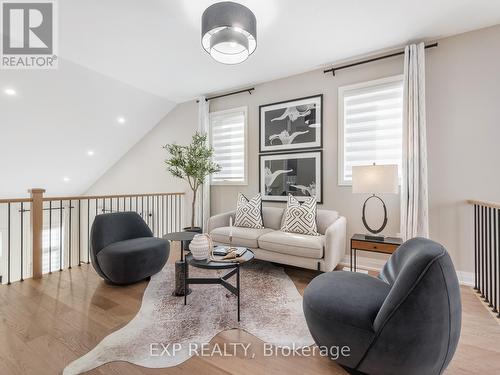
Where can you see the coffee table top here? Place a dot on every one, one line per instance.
(180, 236)
(205, 263)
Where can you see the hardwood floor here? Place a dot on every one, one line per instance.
(45, 324)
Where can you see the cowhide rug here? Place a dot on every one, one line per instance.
(271, 309)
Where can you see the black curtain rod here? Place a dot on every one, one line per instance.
(333, 70)
(229, 93)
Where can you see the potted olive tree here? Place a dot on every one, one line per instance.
(192, 163)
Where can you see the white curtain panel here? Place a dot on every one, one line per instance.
(414, 191)
(204, 195)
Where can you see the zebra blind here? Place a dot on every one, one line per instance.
(228, 138)
(370, 125)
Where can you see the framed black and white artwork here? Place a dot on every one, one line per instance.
(298, 173)
(291, 125)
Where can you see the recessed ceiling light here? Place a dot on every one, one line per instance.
(121, 120)
(66, 179)
(10, 92)
(90, 152)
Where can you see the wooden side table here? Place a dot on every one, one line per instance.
(386, 246)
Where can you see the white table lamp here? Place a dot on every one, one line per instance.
(375, 179)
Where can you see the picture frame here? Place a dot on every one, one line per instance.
(298, 173)
(291, 125)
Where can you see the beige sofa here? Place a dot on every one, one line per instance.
(322, 252)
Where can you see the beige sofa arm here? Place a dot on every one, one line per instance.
(220, 220)
(335, 243)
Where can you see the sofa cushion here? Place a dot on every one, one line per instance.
(245, 237)
(272, 217)
(296, 244)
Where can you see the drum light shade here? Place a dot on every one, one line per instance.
(229, 32)
(375, 179)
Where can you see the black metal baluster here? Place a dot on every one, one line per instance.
(153, 214)
(60, 234)
(50, 237)
(490, 259)
(483, 236)
(142, 207)
(111, 205)
(79, 232)
(8, 244)
(103, 210)
(176, 226)
(495, 247)
(88, 231)
(171, 221)
(476, 248)
(157, 219)
(96, 206)
(497, 251)
(69, 234)
(147, 208)
(22, 244)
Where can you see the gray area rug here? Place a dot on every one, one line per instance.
(271, 309)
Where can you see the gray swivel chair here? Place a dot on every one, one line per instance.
(405, 321)
(123, 249)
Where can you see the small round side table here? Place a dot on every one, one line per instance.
(184, 238)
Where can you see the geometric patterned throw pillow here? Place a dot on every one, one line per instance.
(249, 212)
(300, 218)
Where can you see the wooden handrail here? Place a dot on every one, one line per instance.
(484, 203)
(15, 200)
(84, 197)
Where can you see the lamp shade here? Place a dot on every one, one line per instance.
(375, 179)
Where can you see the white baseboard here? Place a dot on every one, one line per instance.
(365, 263)
(466, 278)
(371, 264)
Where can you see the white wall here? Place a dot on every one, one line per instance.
(463, 124)
(463, 112)
(142, 168)
(463, 92)
(335, 197)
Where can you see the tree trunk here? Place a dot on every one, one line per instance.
(192, 208)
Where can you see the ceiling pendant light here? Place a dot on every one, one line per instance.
(229, 32)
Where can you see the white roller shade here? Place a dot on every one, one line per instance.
(370, 125)
(228, 139)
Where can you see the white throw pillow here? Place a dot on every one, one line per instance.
(300, 218)
(249, 212)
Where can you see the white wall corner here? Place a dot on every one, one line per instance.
(370, 264)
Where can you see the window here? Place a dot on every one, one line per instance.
(228, 137)
(370, 125)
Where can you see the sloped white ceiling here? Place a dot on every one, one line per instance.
(136, 58)
(57, 116)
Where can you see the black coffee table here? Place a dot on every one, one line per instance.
(182, 237)
(213, 265)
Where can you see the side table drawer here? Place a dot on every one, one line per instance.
(373, 246)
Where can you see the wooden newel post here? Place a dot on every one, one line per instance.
(36, 230)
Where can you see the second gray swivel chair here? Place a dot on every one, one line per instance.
(406, 321)
(123, 249)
